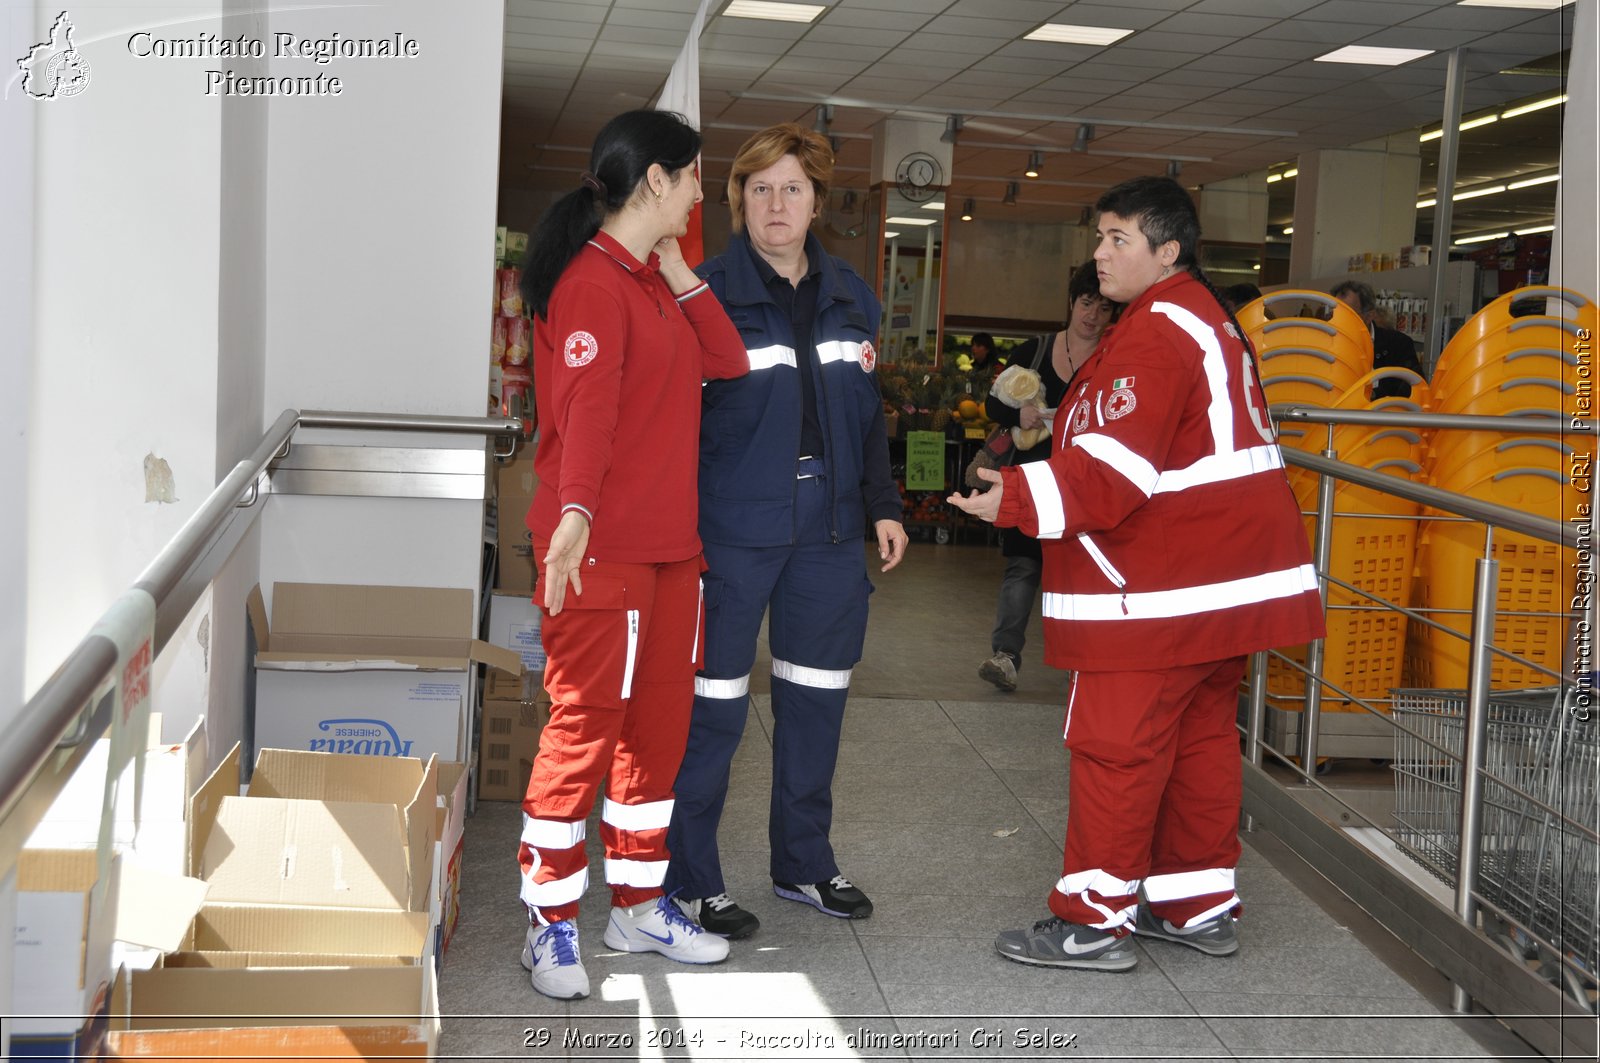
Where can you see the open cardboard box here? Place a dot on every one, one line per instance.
(372, 670)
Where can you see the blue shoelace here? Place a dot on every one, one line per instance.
(674, 915)
(565, 942)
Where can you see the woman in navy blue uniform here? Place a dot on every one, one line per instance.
(794, 468)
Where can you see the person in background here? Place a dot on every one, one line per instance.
(983, 358)
(1088, 314)
(1173, 548)
(1389, 348)
(794, 467)
(625, 333)
(1235, 296)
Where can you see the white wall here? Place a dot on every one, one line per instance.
(1035, 290)
(1235, 210)
(379, 267)
(1573, 251)
(126, 210)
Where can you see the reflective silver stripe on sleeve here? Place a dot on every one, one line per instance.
(839, 351)
(771, 357)
(1185, 601)
(722, 688)
(819, 678)
(1220, 467)
(1048, 505)
(1115, 453)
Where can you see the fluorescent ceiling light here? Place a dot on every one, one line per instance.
(774, 12)
(1536, 229)
(933, 206)
(1272, 177)
(1288, 230)
(1473, 124)
(1061, 33)
(1424, 204)
(1524, 5)
(1370, 56)
(1474, 193)
(1530, 182)
(890, 235)
(914, 221)
(1482, 238)
(1536, 105)
(1291, 173)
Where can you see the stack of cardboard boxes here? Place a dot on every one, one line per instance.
(514, 711)
(305, 916)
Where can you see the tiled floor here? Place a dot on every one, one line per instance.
(950, 806)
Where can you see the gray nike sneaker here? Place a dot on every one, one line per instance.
(1214, 937)
(1055, 942)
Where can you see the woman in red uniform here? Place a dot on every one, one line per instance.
(624, 335)
(1173, 548)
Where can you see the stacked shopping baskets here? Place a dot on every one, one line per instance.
(1539, 864)
(1515, 364)
(1315, 351)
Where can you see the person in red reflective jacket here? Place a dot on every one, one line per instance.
(625, 334)
(1173, 548)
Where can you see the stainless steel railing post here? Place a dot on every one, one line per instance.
(1311, 719)
(1486, 581)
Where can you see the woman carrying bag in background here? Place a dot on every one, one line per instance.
(1088, 314)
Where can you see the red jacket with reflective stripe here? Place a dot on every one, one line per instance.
(617, 366)
(1170, 534)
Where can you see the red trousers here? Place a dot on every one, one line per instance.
(1154, 795)
(620, 671)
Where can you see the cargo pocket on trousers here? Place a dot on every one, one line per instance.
(593, 644)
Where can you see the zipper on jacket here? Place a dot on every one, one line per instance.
(1106, 567)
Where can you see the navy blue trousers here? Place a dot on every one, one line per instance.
(817, 593)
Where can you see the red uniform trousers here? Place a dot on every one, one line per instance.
(620, 672)
(1154, 794)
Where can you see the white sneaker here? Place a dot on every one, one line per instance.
(658, 926)
(551, 953)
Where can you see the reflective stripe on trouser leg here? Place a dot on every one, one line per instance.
(555, 868)
(1109, 901)
(639, 802)
(1196, 841)
(737, 584)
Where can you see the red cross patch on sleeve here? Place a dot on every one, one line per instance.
(580, 349)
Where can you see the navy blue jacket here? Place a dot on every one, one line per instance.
(750, 427)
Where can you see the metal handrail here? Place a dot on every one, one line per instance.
(1483, 612)
(56, 714)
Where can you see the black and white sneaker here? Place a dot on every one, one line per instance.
(719, 915)
(836, 897)
(1055, 942)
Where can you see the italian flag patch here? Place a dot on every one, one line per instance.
(1122, 382)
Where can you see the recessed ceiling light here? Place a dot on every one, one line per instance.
(936, 205)
(1536, 105)
(1357, 53)
(1062, 33)
(773, 11)
(913, 221)
(1530, 182)
(1525, 5)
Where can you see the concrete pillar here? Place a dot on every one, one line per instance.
(1350, 200)
(895, 138)
(1573, 262)
(1235, 210)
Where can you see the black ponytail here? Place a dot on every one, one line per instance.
(623, 152)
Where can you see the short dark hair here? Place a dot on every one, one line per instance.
(1365, 296)
(1163, 210)
(984, 339)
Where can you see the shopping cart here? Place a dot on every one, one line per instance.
(1539, 872)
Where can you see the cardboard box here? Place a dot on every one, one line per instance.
(509, 740)
(451, 820)
(385, 671)
(318, 830)
(211, 1013)
(514, 622)
(515, 484)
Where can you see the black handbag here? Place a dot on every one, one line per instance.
(999, 449)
